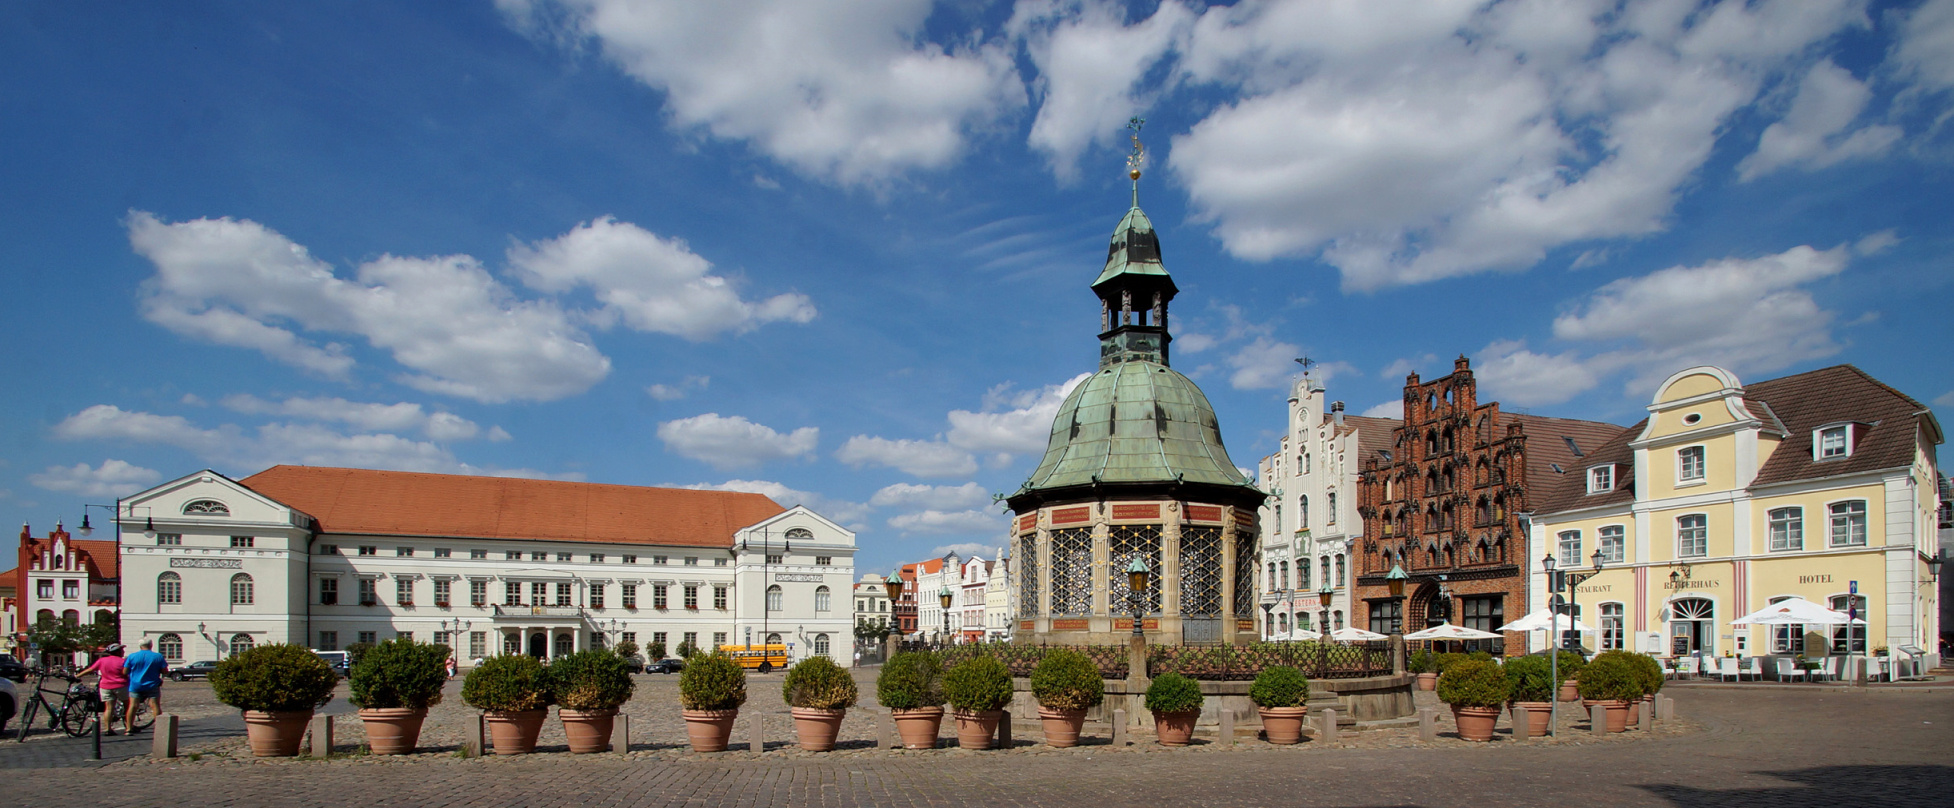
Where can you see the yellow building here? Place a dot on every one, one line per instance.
(1729, 497)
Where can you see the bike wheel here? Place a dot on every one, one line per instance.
(143, 717)
(26, 720)
(78, 719)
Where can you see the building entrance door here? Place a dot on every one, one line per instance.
(1693, 626)
(539, 645)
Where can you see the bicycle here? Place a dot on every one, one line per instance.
(76, 713)
(143, 717)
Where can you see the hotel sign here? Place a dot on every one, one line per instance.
(1689, 584)
(798, 577)
(208, 563)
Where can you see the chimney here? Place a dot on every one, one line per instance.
(1336, 414)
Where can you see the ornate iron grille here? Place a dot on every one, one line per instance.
(1028, 575)
(1072, 571)
(1244, 573)
(1320, 660)
(1201, 572)
(1023, 659)
(1127, 542)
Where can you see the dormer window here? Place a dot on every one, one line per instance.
(206, 507)
(1833, 442)
(1601, 479)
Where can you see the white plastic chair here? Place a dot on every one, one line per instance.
(1876, 669)
(1727, 669)
(1831, 669)
(1788, 669)
(1753, 667)
(1686, 666)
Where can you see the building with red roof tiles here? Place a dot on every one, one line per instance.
(60, 577)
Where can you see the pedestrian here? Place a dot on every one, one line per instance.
(451, 666)
(145, 669)
(114, 686)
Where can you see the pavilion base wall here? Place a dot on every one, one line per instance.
(1374, 698)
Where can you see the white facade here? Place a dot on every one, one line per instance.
(1310, 524)
(932, 577)
(973, 584)
(480, 596)
(997, 602)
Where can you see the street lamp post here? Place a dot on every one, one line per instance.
(1394, 582)
(1136, 584)
(893, 587)
(943, 597)
(1555, 582)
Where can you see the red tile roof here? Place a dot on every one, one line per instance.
(401, 503)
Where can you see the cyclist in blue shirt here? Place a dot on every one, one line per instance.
(145, 670)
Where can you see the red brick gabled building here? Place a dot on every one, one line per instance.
(1444, 502)
(59, 577)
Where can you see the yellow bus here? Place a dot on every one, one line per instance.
(750, 656)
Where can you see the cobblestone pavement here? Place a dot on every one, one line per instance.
(1732, 748)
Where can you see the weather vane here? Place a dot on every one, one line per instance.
(1137, 159)
(1306, 362)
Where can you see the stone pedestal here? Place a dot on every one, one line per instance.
(321, 736)
(756, 728)
(163, 743)
(1326, 726)
(1428, 724)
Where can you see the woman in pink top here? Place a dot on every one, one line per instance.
(114, 686)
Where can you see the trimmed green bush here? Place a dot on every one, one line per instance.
(589, 681)
(688, 650)
(711, 682)
(1442, 662)
(1483, 656)
(818, 683)
(1611, 677)
(1652, 677)
(357, 651)
(978, 684)
(1473, 683)
(1067, 680)
(1173, 693)
(1530, 678)
(626, 649)
(278, 678)
(910, 680)
(1570, 663)
(508, 683)
(1420, 662)
(1280, 686)
(399, 673)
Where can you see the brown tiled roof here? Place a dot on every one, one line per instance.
(1547, 446)
(401, 503)
(103, 554)
(1890, 422)
(1554, 493)
(1374, 435)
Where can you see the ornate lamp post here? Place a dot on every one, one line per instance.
(1394, 582)
(1136, 581)
(943, 597)
(1323, 600)
(892, 586)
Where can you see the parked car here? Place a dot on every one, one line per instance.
(634, 664)
(665, 666)
(196, 670)
(339, 660)
(9, 703)
(11, 668)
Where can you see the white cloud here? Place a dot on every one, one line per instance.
(674, 392)
(1264, 363)
(114, 478)
(1814, 133)
(1389, 409)
(967, 550)
(646, 282)
(1405, 367)
(937, 497)
(1024, 428)
(1945, 400)
(922, 458)
(732, 441)
(848, 514)
(1876, 243)
(845, 91)
(461, 333)
(444, 427)
(1520, 377)
(1925, 50)
(935, 522)
(1089, 65)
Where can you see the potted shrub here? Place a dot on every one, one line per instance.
(393, 685)
(1440, 662)
(277, 687)
(1175, 702)
(1422, 663)
(1066, 684)
(1612, 680)
(1281, 695)
(654, 652)
(1476, 689)
(1531, 679)
(1570, 672)
(588, 687)
(1649, 673)
(820, 693)
(978, 689)
(513, 693)
(911, 687)
(710, 691)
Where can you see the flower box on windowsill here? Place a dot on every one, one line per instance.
(369, 603)
(441, 603)
(406, 603)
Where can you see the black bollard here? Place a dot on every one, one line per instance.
(98, 740)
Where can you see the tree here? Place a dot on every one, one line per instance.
(56, 637)
(655, 651)
(866, 629)
(626, 649)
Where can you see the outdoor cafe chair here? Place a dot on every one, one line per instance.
(1686, 666)
(1831, 669)
(1727, 668)
(1754, 668)
(1788, 668)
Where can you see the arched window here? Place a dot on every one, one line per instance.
(170, 646)
(206, 507)
(241, 643)
(799, 533)
(169, 588)
(44, 617)
(774, 638)
(821, 644)
(1336, 618)
(1272, 576)
(1339, 580)
(820, 598)
(565, 645)
(1302, 513)
(1302, 574)
(1326, 571)
(71, 617)
(773, 598)
(1284, 567)
(241, 594)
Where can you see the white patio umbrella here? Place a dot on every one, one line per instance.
(1542, 620)
(1447, 631)
(1355, 634)
(1795, 611)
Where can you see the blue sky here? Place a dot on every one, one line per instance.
(839, 252)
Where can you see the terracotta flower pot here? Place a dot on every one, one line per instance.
(1475, 723)
(276, 734)
(1538, 715)
(709, 730)
(1617, 715)
(1634, 718)
(1061, 726)
(1283, 725)
(976, 728)
(918, 727)
(514, 733)
(817, 728)
(393, 730)
(1570, 690)
(588, 730)
(1428, 681)
(1174, 729)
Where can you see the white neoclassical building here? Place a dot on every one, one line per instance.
(329, 557)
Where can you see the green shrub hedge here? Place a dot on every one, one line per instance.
(910, 680)
(1067, 680)
(507, 683)
(274, 679)
(1531, 678)
(1173, 693)
(1612, 676)
(711, 682)
(978, 684)
(818, 683)
(590, 681)
(1473, 683)
(399, 673)
(1280, 686)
